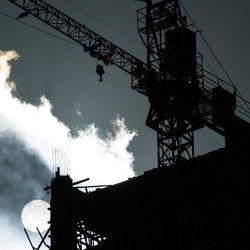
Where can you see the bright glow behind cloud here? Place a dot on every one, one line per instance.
(104, 160)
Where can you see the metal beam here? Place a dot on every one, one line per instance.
(94, 44)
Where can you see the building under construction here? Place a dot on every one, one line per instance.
(187, 202)
(202, 203)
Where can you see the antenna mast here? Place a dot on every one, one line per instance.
(60, 157)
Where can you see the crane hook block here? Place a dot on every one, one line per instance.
(100, 71)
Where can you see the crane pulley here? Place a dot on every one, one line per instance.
(182, 98)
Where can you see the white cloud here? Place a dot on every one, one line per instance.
(102, 158)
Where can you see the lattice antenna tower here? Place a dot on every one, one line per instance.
(61, 160)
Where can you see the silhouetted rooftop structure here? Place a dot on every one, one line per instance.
(202, 203)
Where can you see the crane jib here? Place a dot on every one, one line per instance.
(94, 44)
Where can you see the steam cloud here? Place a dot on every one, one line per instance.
(28, 135)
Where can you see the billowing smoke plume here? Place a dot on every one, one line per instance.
(28, 135)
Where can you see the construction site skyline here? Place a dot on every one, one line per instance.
(76, 104)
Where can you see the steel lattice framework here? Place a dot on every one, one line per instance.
(175, 142)
(102, 49)
(170, 91)
(94, 44)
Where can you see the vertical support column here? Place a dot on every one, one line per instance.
(63, 223)
(175, 149)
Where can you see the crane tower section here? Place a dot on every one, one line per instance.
(172, 84)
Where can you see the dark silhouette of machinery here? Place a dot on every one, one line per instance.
(183, 96)
(195, 205)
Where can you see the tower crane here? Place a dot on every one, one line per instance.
(183, 96)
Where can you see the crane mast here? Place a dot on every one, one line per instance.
(164, 33)
(183, 96)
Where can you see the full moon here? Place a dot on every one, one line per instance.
(35, 214)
